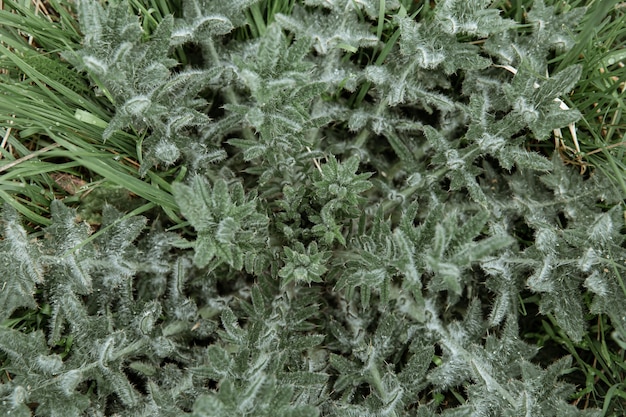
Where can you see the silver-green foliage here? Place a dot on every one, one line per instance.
(359, 232)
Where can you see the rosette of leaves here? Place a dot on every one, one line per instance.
(550, 31)
(328, 32)
(230, 229)
(526, 103)
(338, 189)
(436, 255)
(263, 368)
(204, 20)
(500, 377)
(97, 332)
(137, 77)
(278, 93)
(303, 265)
(576, 243)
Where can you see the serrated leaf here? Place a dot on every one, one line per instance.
(541, 280)
(303, 379)
(558, 84)
(24, 272)
(231, 326)
(327, 33)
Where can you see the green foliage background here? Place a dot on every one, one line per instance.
(318, 208)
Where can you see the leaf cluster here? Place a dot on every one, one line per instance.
(361, 217)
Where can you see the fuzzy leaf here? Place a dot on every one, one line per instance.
(25, 271)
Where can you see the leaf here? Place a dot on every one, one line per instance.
(231, 326)
(558, 84)
(371, 7)
(470, 18)
(541, 280)
(327, 33)
(567, 307)
(22, 348)
(552, 29)
(208, 406)
(417, 366)
(302, 379)
(123, 388)
(251, 148)
(20, 277)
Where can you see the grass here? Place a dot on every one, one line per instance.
(599, 95)
(51, 124)
(600, 374)
(51, 121)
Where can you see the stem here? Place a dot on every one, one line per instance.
(136, 346)
(362, 138)
(407, 192)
